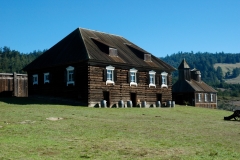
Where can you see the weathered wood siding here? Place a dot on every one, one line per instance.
(122, 89)
(12, 84)
(207, 103)
(57, 86)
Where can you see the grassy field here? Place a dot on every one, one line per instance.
(27, 131)
(228, 67)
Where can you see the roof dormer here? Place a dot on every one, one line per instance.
(105, 47)
(113, 52)
(147, 57)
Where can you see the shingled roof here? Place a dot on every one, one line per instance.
(192, 86)
(88, 45)
(183, 65)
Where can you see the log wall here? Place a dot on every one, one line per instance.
(122, 89)
(57, 87)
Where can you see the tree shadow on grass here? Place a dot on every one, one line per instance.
(40, 101)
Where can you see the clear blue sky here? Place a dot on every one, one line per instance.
(159, 26)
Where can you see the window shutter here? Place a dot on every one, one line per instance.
(50, 77)
(160, 79)
(65, 76)
(73, 75)
(148, 79)
(137, 77)
(168, 80)
(31, 80)
(157, 79)
(105, 75)
(115, 75)
(129, 76)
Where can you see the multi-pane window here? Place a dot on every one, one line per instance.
(205, 97)
(110, 75)
(211, 97)
(152, 78)
(199, 97)
(70, 75)
(46, 78)
(133, 77)
(35, 79)
(164, 79)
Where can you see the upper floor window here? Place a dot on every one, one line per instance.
(110, 75)
(35, 79)
(70, 75)
(152, 78)
(133, 77)
(46, 77)
(205, 97)
(164, 79)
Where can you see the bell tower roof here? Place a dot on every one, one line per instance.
(183, 65)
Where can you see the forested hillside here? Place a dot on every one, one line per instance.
(205, 62)
(14, 61)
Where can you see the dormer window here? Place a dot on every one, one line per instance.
(147, 57)
(133, 77)
(164, 79)
(110, 75)
(152, 78)
(113, 52)
(46, 78)
(35, 79)
(70, 75)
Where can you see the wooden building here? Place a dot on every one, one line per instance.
(91, 66)
(13, 84)
(191, 90)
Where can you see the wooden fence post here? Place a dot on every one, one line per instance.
(15, 85)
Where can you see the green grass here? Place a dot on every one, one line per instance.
(102, 133)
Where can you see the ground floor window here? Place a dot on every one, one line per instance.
(35, 79)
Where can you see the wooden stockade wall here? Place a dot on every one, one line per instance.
(13, 84)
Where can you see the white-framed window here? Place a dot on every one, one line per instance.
(152, 78)
(35, 79)
(133, 76)
(164, 79)
(199, 97)
(110, 75)
(205, 97)
(46, 77)
(70, 75)
(211, 97)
